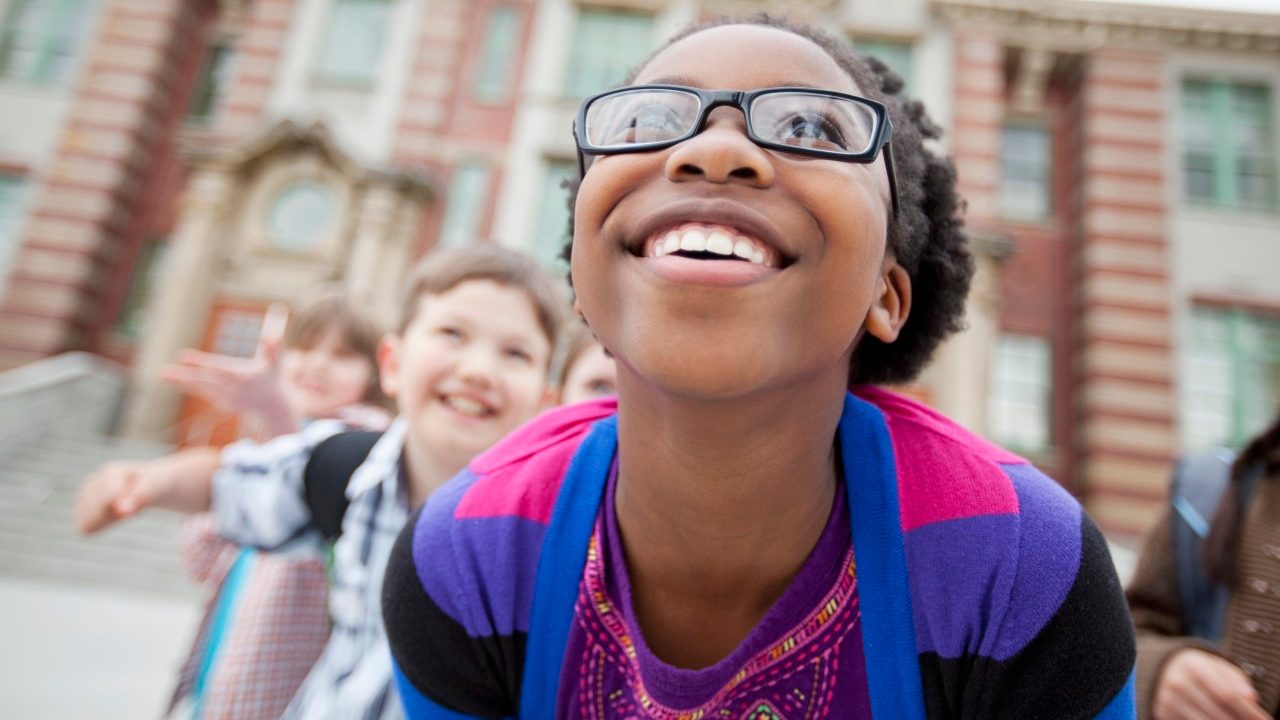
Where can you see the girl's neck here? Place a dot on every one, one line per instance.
(720, 503)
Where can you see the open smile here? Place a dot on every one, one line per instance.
(712, 242)
(703, 241)
(468, 406)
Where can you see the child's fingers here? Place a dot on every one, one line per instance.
(212, 361)
(96, 497)
(269, 350)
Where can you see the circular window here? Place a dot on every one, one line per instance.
(299, 216)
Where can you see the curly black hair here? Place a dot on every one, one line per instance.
(927, 236)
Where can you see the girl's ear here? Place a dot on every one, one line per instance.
(892, 303)
(389, 364)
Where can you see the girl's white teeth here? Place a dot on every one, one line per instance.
(719, 243)
(693, 241)
(714, 241)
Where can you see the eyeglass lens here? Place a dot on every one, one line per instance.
(795, 119)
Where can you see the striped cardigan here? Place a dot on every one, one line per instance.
(985, 589)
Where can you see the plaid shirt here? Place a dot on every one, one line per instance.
(279, 629)
(258, 501)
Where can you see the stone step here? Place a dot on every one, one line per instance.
(83, 453)
(150, 531)
(77, 442)
(20, 560)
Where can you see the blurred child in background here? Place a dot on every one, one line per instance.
(468, 363)
(589, 371)
(266, 621)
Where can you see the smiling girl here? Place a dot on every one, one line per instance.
(741, 536)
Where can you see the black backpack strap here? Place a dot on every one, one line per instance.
(325, 478)
(1198, 483)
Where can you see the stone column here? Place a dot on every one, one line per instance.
(374, 224)
(961, 373)
(176, 316)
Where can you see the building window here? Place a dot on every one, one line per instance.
(1232, 378)
(897, 55)
(145, 273)
(1024, 171)
(300, 216)
(464, 209)
(13, 191)
(40, 38)
(352, 48)
(497, 60)
(213, 81)
(237, 333)
(606, 44)
(1228, 144)
(553, 213)
(1019, 405)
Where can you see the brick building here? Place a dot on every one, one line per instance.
(178, 165)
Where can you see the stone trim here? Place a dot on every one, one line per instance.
(1070, 25)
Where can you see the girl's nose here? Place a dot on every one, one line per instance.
(721, 153)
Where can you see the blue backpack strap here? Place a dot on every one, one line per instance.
(563, 556)
(888, 625)
(1197, 486)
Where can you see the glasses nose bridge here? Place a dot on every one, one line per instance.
(722, 98)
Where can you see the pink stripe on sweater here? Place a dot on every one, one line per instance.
(944, 471)
(521, 475)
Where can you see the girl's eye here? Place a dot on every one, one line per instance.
(813, 130)
(449, 332)
(600, 388)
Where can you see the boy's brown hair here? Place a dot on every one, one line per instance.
(445, 269)
(359, 328)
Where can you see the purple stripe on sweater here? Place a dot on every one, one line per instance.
(1049, 557)
(480, 572)
(960, 571)
(1010, 573)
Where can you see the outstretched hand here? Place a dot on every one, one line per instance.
(122, 488)
(1196, 685)
(230, 384)
(113, 492)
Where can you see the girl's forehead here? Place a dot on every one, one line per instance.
(746, 57)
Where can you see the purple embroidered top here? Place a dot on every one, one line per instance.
(804, 658)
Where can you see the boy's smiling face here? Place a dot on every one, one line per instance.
(467, 370)
(727, 328)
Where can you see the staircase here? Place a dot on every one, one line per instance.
(55, 419)
(39, 541)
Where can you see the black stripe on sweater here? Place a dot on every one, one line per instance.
(1077, 663)
(475, 676)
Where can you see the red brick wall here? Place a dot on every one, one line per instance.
(1126, 393)
(91, 210)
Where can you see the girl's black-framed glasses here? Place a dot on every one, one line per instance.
(796, 120)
